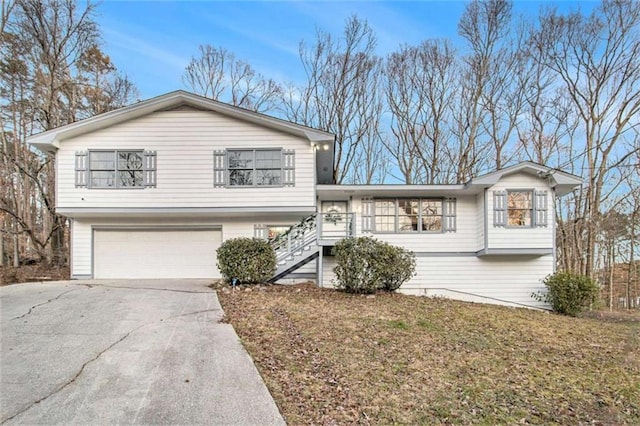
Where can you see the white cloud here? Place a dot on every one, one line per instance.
(141, 47)
(263, 37)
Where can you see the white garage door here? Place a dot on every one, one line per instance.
(156, 253)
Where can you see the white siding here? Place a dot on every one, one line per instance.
(185, 141)
(498, 280)
(82, 239)
(462, 240)
(81, 246)
(328, 276)
(505, 237)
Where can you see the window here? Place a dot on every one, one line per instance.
(269, 232)
(116, 169)
(431, 215)
(255, 167)
(274, 230)
(519, 208)
(385, 214)
(409, 215)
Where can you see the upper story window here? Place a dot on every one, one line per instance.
(408, 215)
(254, 168)
(520, 208)
(115, 169)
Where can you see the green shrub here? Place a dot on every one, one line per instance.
(398, 266)
(568, 293)
(249, 260)
(365, 265)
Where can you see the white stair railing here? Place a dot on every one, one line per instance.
(297, 239)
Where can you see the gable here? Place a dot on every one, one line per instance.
(50, 140)
(561, 182)
(181, 101)
(190, 126)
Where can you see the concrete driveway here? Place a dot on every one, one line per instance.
(126, 352)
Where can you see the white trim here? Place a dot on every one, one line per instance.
(446, 254)
(515, 252)
(71, 211)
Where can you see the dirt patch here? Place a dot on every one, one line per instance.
(33, 273)
(332, 358)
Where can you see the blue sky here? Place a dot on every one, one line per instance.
(152, 41)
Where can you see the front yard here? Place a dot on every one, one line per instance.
(329, 357)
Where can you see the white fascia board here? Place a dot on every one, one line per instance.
(394, 190)
(183, 212)
(493, 177)
(562, 182)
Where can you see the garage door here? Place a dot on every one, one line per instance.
(156, 253)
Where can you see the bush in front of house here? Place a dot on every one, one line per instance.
(249, 260)
(398, 266)
(568, 293)
(365, 265)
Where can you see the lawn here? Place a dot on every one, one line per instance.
(329, 357)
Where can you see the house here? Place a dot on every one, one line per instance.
(153, 189)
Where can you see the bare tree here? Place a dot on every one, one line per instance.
(597, 59)
(548, 122)
(341, 93)
(421, 89)
(485, 25)
(51, 73)
(217, 74)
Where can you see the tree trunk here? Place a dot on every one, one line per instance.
(611, 268)
(16, 253)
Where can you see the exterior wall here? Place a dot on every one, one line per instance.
(447, 264)
(185, 140)
(82, 238)
(498, 280)
(506, 237)
(328, 276)
(504, 280)
(463, 240)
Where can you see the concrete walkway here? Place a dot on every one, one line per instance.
(125, 352)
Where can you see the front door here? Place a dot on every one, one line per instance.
(334, 220)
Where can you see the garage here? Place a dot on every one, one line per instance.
(155, 253)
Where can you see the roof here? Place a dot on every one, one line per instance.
(49, 141)
(561, 182)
